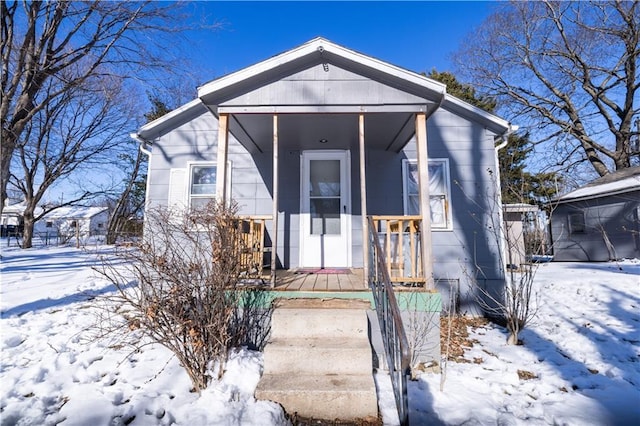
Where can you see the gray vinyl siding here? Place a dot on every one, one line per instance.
(458, 253)
(468, 251)
(612, 229)
(315, 86)
(471, 249)
(195, 140)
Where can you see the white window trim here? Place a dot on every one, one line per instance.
(188, 180)
(405, 191)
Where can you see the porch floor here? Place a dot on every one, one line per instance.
(303, 280)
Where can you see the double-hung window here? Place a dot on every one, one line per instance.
(202, 184)
(194, 186)
(439, 191)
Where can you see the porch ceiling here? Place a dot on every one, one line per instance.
(383, 131)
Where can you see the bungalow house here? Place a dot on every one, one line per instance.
(599, 221)
(331, 155)
(63, 221)
(73, 220)
(320, 138)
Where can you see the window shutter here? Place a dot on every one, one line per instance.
(177, 190)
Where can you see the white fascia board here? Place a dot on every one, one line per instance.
(404, 74)
(313, 47)
(260, 67)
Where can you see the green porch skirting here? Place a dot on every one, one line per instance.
(415, 301)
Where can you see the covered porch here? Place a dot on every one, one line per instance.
(319, 139)
(315, 170)
(399, 236)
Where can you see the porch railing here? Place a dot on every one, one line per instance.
(394, 338)
(399, 237)
(252, 229)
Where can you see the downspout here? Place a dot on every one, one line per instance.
(143, 143)
(502, 237)
(143, 148)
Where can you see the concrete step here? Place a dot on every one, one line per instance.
(328, 355)
(309, 323)
(344, 397)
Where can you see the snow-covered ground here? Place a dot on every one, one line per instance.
(583, 349)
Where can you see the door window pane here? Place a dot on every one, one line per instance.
(324, 196)
(325, 216)
(325, 178)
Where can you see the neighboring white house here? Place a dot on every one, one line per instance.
(61, 221)
(12, 215)
(11, 222)
(72, 220)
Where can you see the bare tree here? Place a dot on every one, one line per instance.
(179, 288)
(78, 129)
(50, 48)
(130, 202)
(514, 302)
(568, 72)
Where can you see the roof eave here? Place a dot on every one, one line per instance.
(492, 122)
(154, 127)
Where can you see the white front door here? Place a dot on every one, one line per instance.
(325, 228)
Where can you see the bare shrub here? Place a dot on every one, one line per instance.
(513, 304)
(179, 287)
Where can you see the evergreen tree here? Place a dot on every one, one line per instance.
(466, 92)
(518, 185)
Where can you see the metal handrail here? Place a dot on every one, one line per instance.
(394, 338)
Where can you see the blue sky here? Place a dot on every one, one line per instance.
(417, 35)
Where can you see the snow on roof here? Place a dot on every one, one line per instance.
(68, 212)
(619, 182)
(75, 212)
(17, 209)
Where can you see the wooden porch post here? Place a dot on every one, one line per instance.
(221, 168)
(363, 199)
(425, 208)
(274, 237)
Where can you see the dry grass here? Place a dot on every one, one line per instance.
(526, 375)
(459, 341)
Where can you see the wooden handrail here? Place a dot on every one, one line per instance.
(252, 229)
(401, 247)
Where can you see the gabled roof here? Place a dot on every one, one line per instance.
(320, 50)
(74, 212)
(619, 182)
(315, 51)
(67, 212)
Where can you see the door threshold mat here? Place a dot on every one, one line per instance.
(323, 271)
